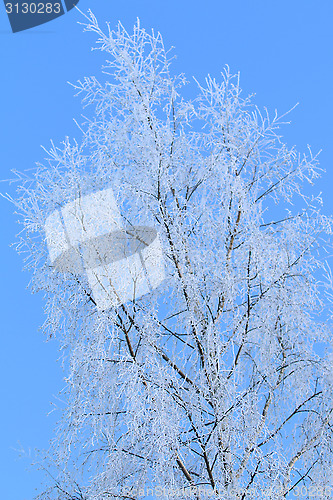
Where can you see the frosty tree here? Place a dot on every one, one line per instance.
(216, 382)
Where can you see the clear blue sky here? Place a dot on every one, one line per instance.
(283, 51)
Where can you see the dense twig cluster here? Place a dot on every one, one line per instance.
(212, 385)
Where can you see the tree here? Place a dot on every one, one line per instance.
(215, 383)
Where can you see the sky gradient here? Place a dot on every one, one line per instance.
(283, 51)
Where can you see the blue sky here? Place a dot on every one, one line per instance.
(283, 51)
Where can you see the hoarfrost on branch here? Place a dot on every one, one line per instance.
(212, 385)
